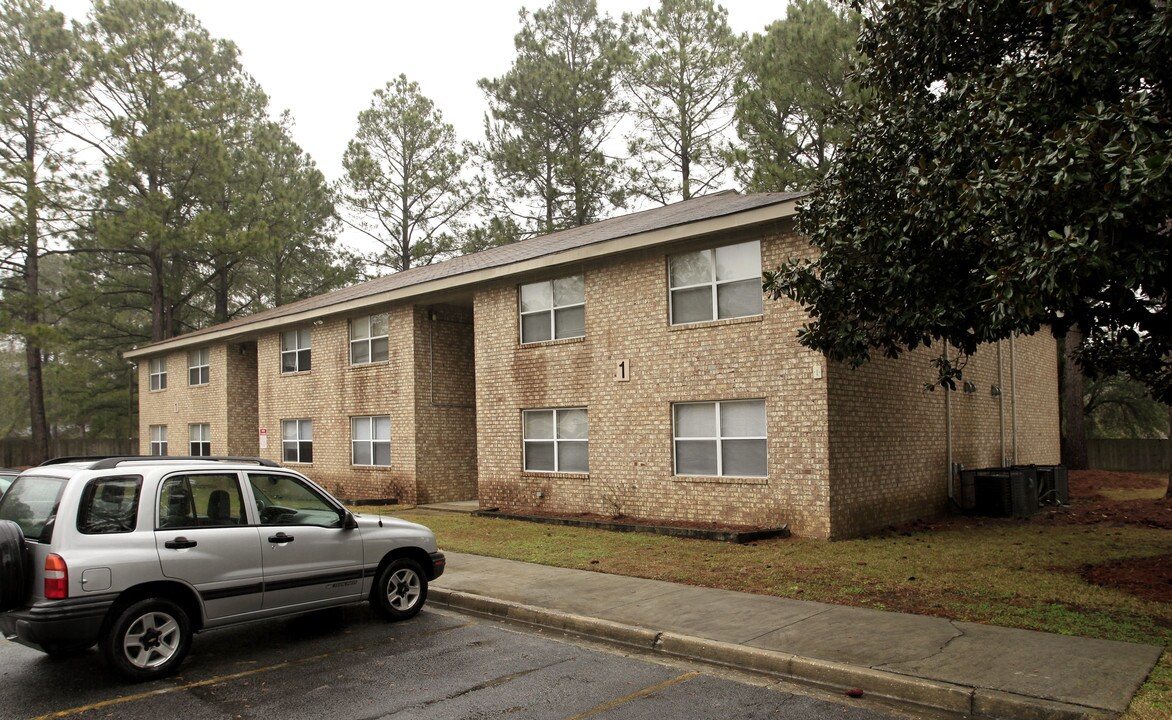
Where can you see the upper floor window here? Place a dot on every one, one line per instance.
(720, 438)
(370, 441)
(368, 339)
(158, 373)
(295, 351)
(297, 441)
(198, 367)
(557, 440)
(553, 309)
(715, 284)
(200, 439)
(158, 439)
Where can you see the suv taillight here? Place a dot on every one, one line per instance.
(56, 578)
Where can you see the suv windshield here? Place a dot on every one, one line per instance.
(31, 503)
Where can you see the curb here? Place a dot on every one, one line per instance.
(957, 700)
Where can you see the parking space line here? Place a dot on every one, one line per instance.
(618, 702)
(176, 688)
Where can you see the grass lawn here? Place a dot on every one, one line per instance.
(1002, 572)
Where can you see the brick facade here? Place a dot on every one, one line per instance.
(847, 451)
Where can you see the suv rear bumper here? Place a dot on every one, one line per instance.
(75, 621)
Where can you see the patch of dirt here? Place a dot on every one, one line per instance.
(1147, 578)
(647, 522)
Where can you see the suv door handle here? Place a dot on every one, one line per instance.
(179, 543)
(280, 538)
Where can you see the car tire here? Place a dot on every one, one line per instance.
(400, 590)
(12, 571)
(147, 640)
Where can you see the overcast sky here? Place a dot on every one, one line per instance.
(322, 60)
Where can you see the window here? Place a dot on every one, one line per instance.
(109, 505)
(370, 441)
(720, 438)
(368, 339)
(158, 373)
(715, 284)
(288, 500)
(295, 351)
(158, 439)
(201, 439)
(197, 367)
(553, 309)
(556, 440)
(297, 441)
(200, 500)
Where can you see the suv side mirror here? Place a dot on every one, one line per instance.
(348, 522)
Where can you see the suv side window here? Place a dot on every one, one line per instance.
(200, 500)
(109, 505)
(288, 500)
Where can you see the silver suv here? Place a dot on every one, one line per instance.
(138, 553)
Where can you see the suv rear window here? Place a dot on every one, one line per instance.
(109, 505)
(31, 503)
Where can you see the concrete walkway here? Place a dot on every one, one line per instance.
(963, 668)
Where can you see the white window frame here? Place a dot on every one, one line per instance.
(301, 352)
(372, 442)
(719, 439)
(199, 363)
(158, 440)
(551, 311)
(302, 435)
(557, 441)
(157, 370)
(369, 340)
(713, 284)
(199, 439)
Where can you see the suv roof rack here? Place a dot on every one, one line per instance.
(72, 458)
(113, 462)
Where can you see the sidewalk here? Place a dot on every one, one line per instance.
(963, 668)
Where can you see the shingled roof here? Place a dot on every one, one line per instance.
(690, 218)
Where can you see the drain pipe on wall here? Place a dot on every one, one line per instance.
(1013, 390)
(948, 434)
(1001, 401)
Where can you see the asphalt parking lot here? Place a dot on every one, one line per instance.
(346, 664)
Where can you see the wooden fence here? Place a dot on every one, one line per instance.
(17, 453)
(1133, 455)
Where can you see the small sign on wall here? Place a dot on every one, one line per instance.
(264, 438)
(622, 371)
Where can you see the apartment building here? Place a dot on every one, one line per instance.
(630, 367)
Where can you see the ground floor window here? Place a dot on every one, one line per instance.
(556, 440)
(370, 440)
(158, 439)
(200, 439)
(725, 438)
(297, 441)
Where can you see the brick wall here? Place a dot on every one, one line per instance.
(445, 404)
(889, 436)
(180, 405)
(630, 455)
(332, 392)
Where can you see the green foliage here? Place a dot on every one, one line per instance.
(1117, 407)
(790, 96)
(405, 177)
(1009, 170)
(551, 114)
(685, 60)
